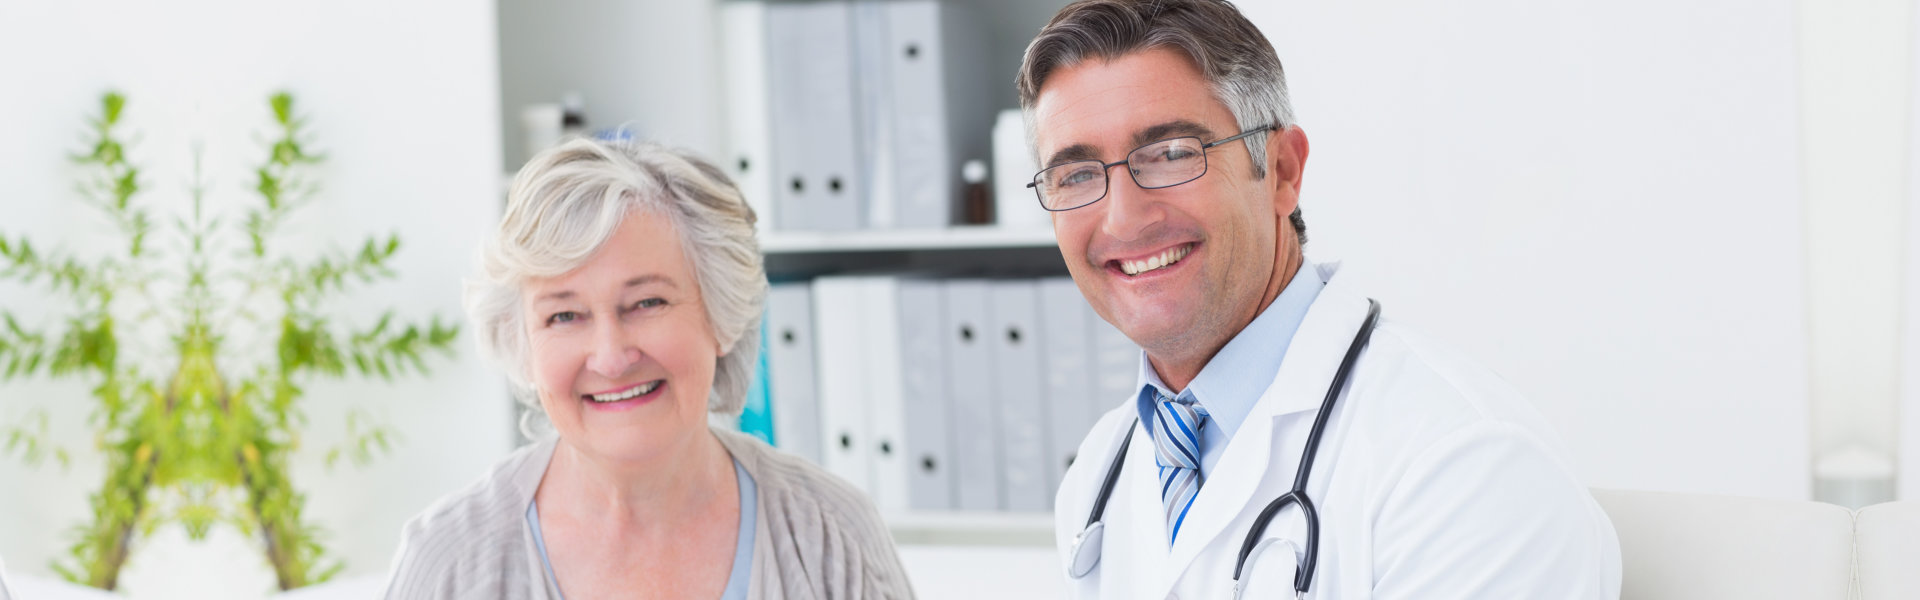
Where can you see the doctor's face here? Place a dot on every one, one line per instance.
(622, 355)
(1217, 235)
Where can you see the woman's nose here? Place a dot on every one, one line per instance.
(613, 352)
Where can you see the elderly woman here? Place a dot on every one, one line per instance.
(624, 292)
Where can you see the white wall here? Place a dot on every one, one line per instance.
(1856, 78)
(1599, 200)
(403, 98)
(1908, 442)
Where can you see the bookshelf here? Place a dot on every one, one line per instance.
(551, 48)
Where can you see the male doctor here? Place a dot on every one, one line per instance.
(1433, 478)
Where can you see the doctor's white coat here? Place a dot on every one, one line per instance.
(1434, 480)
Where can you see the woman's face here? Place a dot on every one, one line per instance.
(622, 354)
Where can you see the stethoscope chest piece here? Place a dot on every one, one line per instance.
(1086, 550)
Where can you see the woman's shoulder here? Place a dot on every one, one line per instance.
(826, 538)
(477, 529)
(792, 483)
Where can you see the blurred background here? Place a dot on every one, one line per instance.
(1685, 231)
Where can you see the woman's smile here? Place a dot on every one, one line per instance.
(626, 398)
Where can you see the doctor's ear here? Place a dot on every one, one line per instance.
(1287, 156)
(1286, 167)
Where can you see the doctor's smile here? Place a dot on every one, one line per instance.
(1158, 262)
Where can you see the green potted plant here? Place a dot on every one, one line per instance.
(195, 430)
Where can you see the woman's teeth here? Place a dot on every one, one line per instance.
(1170, 256)
(639, 390)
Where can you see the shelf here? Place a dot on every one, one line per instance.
(905, 240)
(957, 528)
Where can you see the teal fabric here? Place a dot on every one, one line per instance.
(756, 416)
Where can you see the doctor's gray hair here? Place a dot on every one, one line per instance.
(1234, 57)
(566, 203)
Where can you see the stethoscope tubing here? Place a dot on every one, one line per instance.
(1297, 496)
(1113, 477)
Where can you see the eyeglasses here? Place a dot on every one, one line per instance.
(1162, 164)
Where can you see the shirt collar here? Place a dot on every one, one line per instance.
(1229, 385)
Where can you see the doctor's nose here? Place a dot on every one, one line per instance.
(1129, 208)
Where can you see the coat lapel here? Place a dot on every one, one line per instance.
(1136, 531)
(1274, 432)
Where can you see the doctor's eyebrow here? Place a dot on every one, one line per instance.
(1073, 153)
(1169, 129)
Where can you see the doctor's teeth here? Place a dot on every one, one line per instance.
(1170, 256)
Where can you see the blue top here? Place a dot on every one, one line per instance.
(742, 550)
(1229, 385)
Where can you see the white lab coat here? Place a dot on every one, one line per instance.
(1434, 480)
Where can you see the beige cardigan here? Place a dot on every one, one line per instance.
(815, 536)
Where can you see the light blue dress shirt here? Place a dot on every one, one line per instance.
(1229, 385)
(743, 545)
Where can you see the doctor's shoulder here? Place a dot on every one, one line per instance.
(1457, 458)
(827, 539)
(1419, 389)
(467, 543)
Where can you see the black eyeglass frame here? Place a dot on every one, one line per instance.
(1104, 167)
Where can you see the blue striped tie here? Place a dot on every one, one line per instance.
(1176, 441)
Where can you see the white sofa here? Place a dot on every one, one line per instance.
(1695, 546)
(1887, 544)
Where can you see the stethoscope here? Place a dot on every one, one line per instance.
(1082, 561)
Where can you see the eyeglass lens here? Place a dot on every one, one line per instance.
(1165, 163)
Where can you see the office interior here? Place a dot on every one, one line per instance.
(1687, 233)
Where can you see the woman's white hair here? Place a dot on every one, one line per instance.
(566, 203)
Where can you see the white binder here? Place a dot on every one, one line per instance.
(790, 364)
(839, 313)
(743, 60)
(1015, 206)
(1066, 347)
(873, 91)
(923, 394)
(926, 98)
(819, 182)
(943, 105)
(970, 365)
(1016, 384)
(885, 399)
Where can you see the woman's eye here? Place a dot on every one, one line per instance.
(565, 316)
(649, 303)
